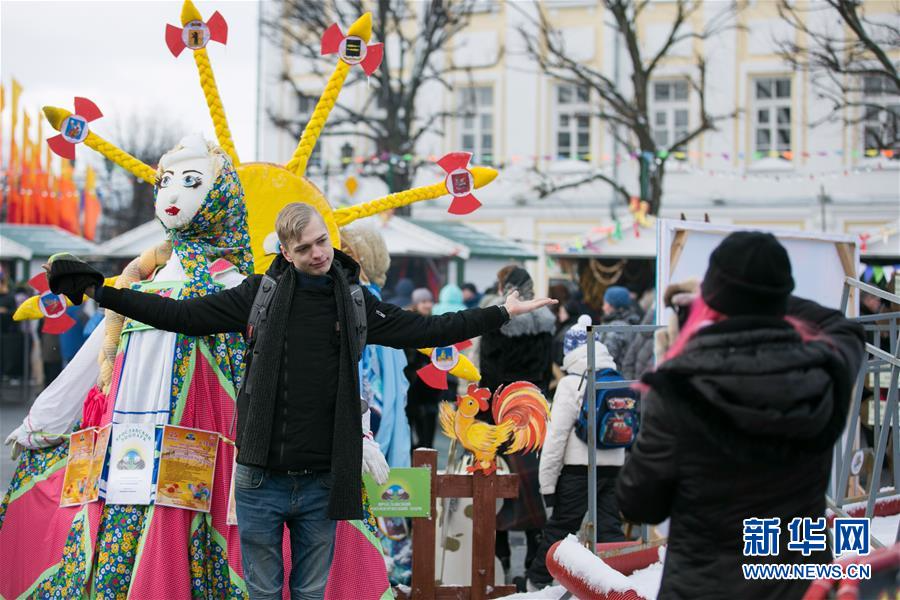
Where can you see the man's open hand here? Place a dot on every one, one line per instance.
(514, 306)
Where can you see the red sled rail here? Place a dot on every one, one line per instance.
(624, 557)
(882, 561)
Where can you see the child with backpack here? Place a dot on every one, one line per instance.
(563, 472)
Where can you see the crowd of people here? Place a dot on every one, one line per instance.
(547, 348)
(752, 387)
(25, 351)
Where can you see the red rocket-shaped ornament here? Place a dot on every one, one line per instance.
(460, 182)
(52, 306)
(196, 34)
(352, 49)
(74, 128)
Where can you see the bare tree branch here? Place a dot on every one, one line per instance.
(547, 187)
(627, 117)
(841, 60)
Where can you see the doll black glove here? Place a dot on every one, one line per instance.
(71, 276)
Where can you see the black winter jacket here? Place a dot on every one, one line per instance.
(388, 325)
(639, 356)
(519, 351)
(741, 424)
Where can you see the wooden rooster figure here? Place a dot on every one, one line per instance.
(520, 411)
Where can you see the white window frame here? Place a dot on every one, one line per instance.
(773, 108)
(876, 89)
(473, 108)
(577, 107)
(664, 111)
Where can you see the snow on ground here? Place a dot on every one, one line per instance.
(885, 529)
(551, 593)
(646, 581)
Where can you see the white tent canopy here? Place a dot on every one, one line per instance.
(10, 249)
(131, 243)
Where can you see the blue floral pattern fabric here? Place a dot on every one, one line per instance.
(117, 543)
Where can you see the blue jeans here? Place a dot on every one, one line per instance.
(265, 502)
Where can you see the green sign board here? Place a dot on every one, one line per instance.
(407, 493)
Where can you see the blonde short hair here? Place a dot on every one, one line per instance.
(293, 219)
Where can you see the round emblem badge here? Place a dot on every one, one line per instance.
(459, 183)
(195, 35)
(353, 50)
(445, 358)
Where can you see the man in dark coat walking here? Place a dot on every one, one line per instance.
(740, 424)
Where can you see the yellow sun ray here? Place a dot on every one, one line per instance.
(131, 164)
(361, 28)
(347, 214)
(190, 13)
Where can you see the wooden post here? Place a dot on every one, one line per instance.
(484, 510)
(484, 491)
(423, 533)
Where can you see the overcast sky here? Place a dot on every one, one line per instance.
(115, 54)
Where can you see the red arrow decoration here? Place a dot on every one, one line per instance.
(352, 49)
(74, 128)
(434, 374)
(196, 34)
(460, 182)
(52, 306)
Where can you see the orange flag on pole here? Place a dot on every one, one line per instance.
(42, 190)
(68, 199)
(26, 181)
(52, 202)
(14, 209)
(3, 192)
(2, 106)
(92, 206)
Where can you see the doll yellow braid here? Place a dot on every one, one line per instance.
(347, 214)
(361, 28)
(131, 164)
(137, 270)
(214, 102)
(190, 13)
(313, 129)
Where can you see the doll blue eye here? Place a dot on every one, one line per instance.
(164, 181)
(191, 181)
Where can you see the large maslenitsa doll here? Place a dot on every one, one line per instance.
(143, 376)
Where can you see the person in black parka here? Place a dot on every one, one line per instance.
(519, 351)
(739, 422)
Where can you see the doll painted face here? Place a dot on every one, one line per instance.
(187, 176)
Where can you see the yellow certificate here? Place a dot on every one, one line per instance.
(187, 464)
(80, 485)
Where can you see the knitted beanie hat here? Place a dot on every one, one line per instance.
(576, 336)
(749, 273)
